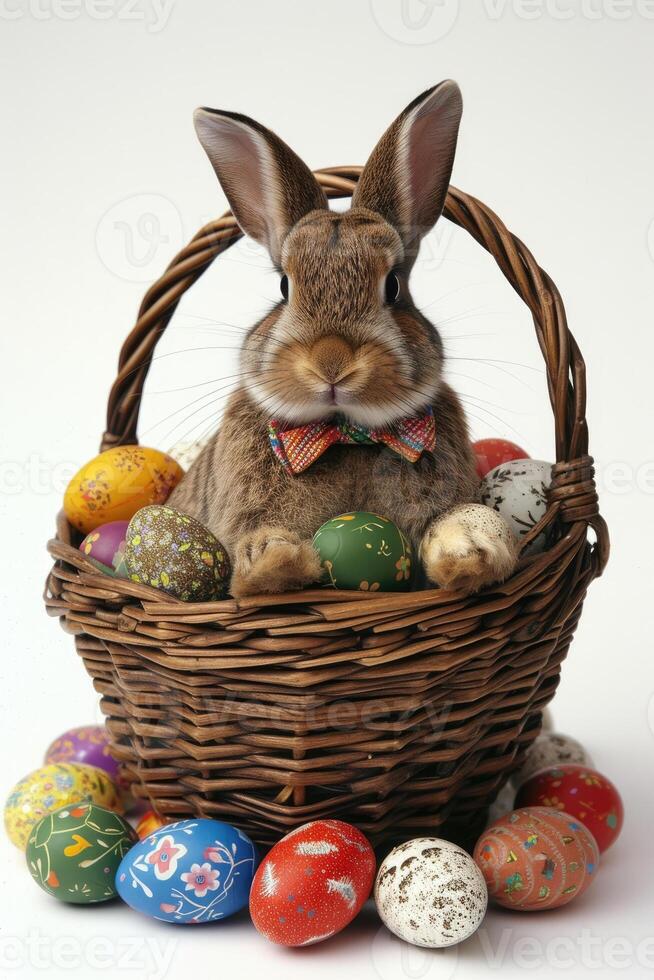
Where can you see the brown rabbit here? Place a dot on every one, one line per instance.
(345, 344)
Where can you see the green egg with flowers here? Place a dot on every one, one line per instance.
(364, 552)
(74, 852)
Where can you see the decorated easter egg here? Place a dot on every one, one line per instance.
(312, 883)
(148, 823)
(584, 793)
(365, 552)
(536, 858)
(173, 552)
(518, 491)
(189, 872)
(51, 787)
(74, 853)
(430, 893)
(105, 548)
(551, 749)
(490, 453)
(88, 744)
(117, 483)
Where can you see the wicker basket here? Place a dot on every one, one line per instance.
(402, 713)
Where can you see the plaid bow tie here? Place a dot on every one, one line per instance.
(296, 449)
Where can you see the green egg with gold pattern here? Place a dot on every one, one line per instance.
(365, 552)
(173, 552)
(73, 853)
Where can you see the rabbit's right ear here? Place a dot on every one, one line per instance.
(408, 173)
(267, 185)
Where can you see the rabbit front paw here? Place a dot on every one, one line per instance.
(467, 548)
(272, 559)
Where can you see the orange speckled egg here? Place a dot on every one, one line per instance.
(117, 483)
(536, 858)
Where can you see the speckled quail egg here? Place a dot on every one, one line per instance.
(430, 893)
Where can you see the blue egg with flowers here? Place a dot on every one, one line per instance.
(189, 872)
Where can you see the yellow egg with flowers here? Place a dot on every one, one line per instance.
(118, 483)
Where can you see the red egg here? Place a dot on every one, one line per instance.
(312, 883)
(536, 858)
(491, 452)
(583, 793)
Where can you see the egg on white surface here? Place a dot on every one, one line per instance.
(430, 893)
(189, 872)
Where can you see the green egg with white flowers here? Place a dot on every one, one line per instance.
(364, 552)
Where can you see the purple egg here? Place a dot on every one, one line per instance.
(105, 547)
(89, 745)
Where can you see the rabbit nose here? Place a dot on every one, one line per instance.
(331, 358)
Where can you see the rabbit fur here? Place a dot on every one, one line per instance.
(345, 340)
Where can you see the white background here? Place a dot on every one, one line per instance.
(103, 180)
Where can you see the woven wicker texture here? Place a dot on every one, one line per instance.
(402, 713)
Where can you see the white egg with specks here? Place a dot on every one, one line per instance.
(518, 492)
(551, 749)
(430, 893)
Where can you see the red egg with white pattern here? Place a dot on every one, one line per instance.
(312, 883)
(582, 792)
(490, 453)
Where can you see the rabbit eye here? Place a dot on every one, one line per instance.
(283, 286)
(392, 288)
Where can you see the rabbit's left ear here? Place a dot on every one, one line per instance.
(408, 173)
(267, 185)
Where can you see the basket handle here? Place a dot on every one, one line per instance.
(573, 496)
